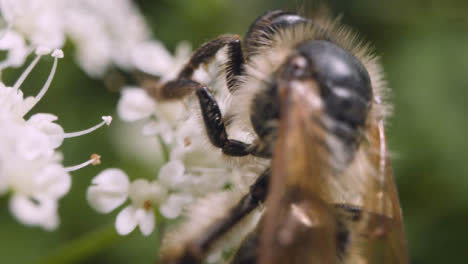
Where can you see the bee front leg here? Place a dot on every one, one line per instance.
(216, 129)
(184, 84)
(197, 249)
(215, 126)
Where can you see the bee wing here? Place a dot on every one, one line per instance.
(382, 222)
(299, 226)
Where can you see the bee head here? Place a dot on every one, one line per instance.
(344, 83)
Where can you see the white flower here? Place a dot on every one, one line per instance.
(153, 58)
(44, 123)
(15, 45)
(40, 21)
(37, 212)
(32, 174)
(135, 104)
(175, 204)
(12, 103)
(144, 195)
(30, 167)
(105, 32)
(111, 189)
(194, 181)
(108, 191)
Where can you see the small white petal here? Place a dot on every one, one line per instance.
(135, 104)
(112, 177)
(174, 205)
(44, 122)
(126, 220)
(42, 50)
(183, 50)
(53, 181)
(57, 53)
(17, 51)
(109, 191)
(51, 222)
(171, 111)
(107, 119)
(141, 191)
(24, 209)
(32, 213)
(146, 221)
(171, 174)
(34, 144)
(152, 57)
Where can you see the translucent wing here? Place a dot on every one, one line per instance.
(382, 222)
(299, 225)
(302, 223)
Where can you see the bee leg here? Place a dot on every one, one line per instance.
(183, 84)
(346, 214)
(247, 252)
(197, 249)
(215, 126)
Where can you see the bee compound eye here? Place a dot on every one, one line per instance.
(335, 67)
(344, 82)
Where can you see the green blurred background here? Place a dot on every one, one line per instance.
(424, 48)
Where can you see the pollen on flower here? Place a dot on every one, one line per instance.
(187, 141)
(96, 159)
(107, 120)
(57, 53)
(147, 205)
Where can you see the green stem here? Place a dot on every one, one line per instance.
(83, 247)
(165, 150)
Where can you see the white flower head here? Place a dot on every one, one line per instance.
(30, 166)
(153, 58)
(111, 188)
(161, 118)
(15, 45)
(108, 191)
(44, 123)
(135, 104)
(37, 212)
(144, 196)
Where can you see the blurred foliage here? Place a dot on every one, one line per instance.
(424, 51)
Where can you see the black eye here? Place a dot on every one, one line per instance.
(344, 82)
(286, 20)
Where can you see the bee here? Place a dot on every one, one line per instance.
(314, 96)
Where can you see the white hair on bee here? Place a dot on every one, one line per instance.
(201, 215)
(356, 169)
(235, 128)
(272, 53)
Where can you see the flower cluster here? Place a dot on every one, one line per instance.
(109, 33)
(193, 168)
(30, 165)
(104, 32)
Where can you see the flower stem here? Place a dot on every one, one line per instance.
(84, 247)
(165, 150)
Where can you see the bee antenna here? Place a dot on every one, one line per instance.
(300, 6)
